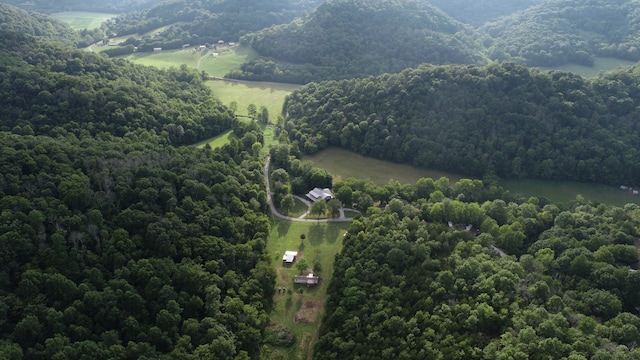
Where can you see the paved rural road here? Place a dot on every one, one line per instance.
(275, 212)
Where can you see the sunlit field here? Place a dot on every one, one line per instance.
(79, 20)
(601, 65)
(342, 164)
(271, 95)
(297, 307)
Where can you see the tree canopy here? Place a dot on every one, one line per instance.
(47, 88)
(116, 243)
(505, 120)
(349, 38)
(408, 285)
(558, 32)
(35, 24)
(204, 22)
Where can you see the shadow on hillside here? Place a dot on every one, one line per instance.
(316, 234)
(332, 234)
(283, 228)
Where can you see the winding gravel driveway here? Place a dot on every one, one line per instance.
(277, 214)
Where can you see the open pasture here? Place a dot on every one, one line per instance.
(260, 94)
(166, 59)
(79, 20)
(297, 307)
(228, 59)
(601, 65)
(342, 164)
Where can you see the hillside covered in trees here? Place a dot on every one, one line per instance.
(408, 286)
(50, 89)
(115, 243)
(478, 12)
(347, 38)
(567, 31)
(39, 25)
(505, 120)
(205, 22)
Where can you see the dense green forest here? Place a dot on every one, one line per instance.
(204, 22)
(49, 89)
(505, 120)
(409, 286)
(478, 12)
(114, 6)
(29, 23)
(115, 244)
(567, 31)
(355, 38)
(125, 248)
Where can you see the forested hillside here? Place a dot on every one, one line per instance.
(567, 31)
(49, 89)
(202, 22)
(505, 120)
(407, 286)
(35, 24)
(114, 243)
(355, 38)
(114, 6)
(478, 12)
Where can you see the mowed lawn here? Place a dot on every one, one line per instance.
(79, 20)
(271, 95)
(166, 59)
(298, 307)
(343, 164)
(228, 59)
(601, 65)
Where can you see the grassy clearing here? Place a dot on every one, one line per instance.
(228, 59)
(298, 209)
(79, 20)
(601, 65)
(323, 241)
(260, 94)
(566, 191)
(217, 141)
(166, 59)
(343, 164)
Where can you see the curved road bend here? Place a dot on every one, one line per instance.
(275, 212)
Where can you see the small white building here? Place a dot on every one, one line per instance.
(157, 49)
(319, 194)
(289, 257)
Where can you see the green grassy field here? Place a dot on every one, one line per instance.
(260, 94)
(217, 141)
(342, 164)
(601, 65)
(566, 191)
(300, 308)
(166, 59)
(79, 20)
(228, 59)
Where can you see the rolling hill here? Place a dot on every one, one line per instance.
(559, 32)
(355, 38)
(478, 12)
(504, 120)
(35, 24)
(201, 22)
